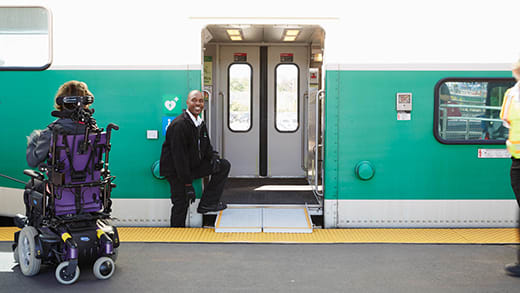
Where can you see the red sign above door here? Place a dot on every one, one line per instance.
(240, 57)
(286, 57)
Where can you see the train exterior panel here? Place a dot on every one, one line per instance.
(417, 181)
(132, 98)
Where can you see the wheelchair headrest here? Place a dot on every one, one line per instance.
(76, 100)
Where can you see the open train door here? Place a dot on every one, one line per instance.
(262, 81)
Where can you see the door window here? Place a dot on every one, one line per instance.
(240, 96)
(286, 99)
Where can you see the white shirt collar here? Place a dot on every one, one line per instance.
(197, 121)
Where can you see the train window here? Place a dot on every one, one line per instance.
(286, 99)
(25, 38)
(467, 110)
(240, 95)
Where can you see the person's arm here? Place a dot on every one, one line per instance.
(38, 147)
(209, 152)
(179, 152)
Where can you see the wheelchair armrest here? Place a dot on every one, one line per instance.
(33, 174)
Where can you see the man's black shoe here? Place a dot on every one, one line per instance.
(513, 269)
(202, 209)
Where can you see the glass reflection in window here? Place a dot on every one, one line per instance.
(470, 110)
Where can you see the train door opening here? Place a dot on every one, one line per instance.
(259, 80)
(263, 110)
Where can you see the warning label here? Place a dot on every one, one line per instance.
(493, 153)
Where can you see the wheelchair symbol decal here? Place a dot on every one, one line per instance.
(166, 122)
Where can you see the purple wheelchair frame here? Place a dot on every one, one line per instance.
(78, 174)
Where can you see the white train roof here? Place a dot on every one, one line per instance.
(362, 34)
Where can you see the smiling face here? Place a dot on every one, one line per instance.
(195, 103)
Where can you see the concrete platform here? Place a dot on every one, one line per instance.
(377, 268)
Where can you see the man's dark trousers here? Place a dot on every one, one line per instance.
(210, 196)
(515, 183)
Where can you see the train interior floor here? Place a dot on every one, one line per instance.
(268, 191)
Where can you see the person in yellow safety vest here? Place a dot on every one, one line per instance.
(510, 113)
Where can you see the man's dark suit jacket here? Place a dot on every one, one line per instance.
(184, 148)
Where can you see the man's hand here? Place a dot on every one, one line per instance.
(215, 163)
(190, 193)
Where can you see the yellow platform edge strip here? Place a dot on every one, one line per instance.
(413, 236)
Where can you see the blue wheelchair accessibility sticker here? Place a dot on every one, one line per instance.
(166, 120)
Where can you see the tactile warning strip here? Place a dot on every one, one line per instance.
(208, 235)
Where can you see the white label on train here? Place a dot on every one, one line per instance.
(493, 153)
(404, 115)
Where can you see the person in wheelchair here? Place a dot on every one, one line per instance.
(68, 204)
(38, 142)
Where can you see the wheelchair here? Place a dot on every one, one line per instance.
(68, 209)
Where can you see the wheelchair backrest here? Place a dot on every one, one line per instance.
(75, 172)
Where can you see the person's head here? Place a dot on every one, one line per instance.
(516, 70)
(71, 88)
(195, 102)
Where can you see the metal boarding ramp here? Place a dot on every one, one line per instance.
(264, 218)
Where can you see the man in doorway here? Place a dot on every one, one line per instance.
(186, 155)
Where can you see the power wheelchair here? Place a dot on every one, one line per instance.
(68, 208)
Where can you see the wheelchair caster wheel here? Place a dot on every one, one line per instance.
(63, 277)
(26, 249)
(104, 268)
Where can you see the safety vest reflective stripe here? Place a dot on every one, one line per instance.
(514, 149)
(506, 106)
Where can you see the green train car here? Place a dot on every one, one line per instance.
(389, 117)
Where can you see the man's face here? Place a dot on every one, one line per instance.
(195, 103)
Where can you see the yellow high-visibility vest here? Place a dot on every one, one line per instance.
(510, 113)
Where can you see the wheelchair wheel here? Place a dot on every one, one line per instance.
(29, 264)
(104, 268)
(63, 277)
